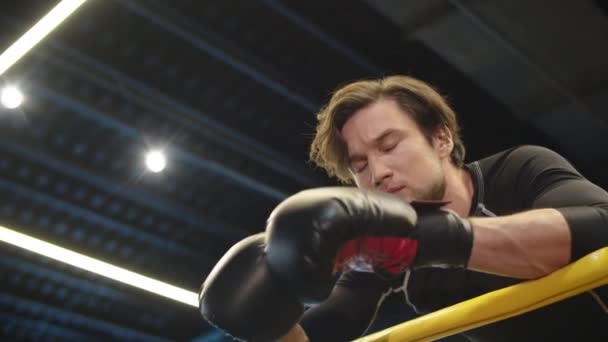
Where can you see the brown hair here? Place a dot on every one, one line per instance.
(427, 107)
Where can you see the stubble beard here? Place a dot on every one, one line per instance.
(434, 192)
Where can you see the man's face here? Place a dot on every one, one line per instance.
(388, 152)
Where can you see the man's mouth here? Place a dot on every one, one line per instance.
(394, 189)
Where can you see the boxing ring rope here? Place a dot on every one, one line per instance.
(583, 275)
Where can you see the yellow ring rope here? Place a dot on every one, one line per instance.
(583, 275)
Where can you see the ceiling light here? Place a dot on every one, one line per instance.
(98, 267)
(35, 34)
(156, 161)
(11, 97)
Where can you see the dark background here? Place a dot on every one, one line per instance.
(230, 90)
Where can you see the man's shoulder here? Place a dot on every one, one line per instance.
(518, 157)
(517, 152)
(511, 179)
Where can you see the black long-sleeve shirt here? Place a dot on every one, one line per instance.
(516, 180)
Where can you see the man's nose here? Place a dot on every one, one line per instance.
(380, 172)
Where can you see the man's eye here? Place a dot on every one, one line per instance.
(388, 148)
(359, 167)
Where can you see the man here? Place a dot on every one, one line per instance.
(519, 214)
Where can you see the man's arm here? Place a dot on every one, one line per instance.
(348, 311)
(296, 334)
(564, 217)
(345, 314)
(527, 245)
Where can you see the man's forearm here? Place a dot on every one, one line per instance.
(296, 334)
(527, 245)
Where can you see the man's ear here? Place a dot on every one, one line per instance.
(444, 144)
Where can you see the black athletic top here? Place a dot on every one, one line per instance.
(511, 181)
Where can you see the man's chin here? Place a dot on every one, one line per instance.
(431, 196)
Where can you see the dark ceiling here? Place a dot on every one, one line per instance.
(229, 89)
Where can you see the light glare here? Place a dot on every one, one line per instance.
(156, 161)
(11, 97)
(99, 267)
(35, 34)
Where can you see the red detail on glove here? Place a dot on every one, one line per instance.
(392, 255)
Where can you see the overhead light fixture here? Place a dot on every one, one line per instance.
(35, 34)
(98, 267)
(11, 97)
(156, 161)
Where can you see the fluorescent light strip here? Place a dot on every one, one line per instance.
(42, 28)
(98, 267)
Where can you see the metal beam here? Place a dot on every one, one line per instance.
(140, 197)
(96, 326)
(214, 336)
(21, 328)
(211, 129)
(122, 229)
(325, 37)
(106, 120)
(215, 131)
(86, 286)
(521, 56)
(221, 55)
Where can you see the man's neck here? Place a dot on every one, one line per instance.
(459, 189)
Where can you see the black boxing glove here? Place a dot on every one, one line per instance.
(306, 230)
(242, 297)
(311, 230)
(444, 239)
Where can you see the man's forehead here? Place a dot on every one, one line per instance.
(370, 121)
(371, 136)
(354, 146)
